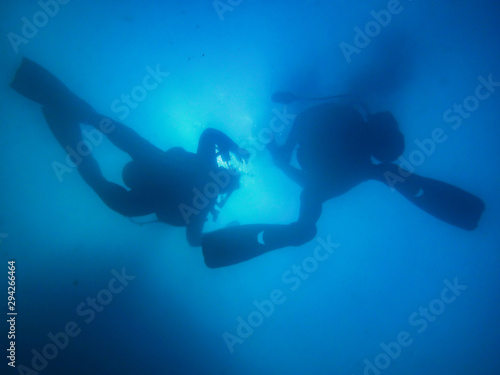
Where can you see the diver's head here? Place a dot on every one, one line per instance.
(385, 140)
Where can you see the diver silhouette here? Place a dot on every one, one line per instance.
(337, 149)
(170, 184)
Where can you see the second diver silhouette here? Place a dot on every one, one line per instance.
(166, 183)
(336, 148)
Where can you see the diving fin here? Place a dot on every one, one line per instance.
(236, 244)
(440, 199)
(38, 84)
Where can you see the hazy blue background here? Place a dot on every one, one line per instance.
(393, 257)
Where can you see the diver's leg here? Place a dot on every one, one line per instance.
(65, 129)
(311, 206)
(125, 202)
(240, 243)
(38, 84)
(124, 138)
(67, 132)
(301, 231)
(292, 139)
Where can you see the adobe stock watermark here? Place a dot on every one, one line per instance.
(95, 136)
(293, 278)
(88, 310)
(3, 236)
(419, 320)
(30, 27)
(372, 29)
(224, 6)
(220, 180)
(455, 116)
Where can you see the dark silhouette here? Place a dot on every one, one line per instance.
(180, 187)
(336, 152)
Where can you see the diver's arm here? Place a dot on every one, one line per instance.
(311, 207)
(213, 141)
(128, 203)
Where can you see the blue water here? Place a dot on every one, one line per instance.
(176, 316)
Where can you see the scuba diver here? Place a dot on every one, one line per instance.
(338, 148)
(180, 187)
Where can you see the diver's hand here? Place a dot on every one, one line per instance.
(242, 155)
